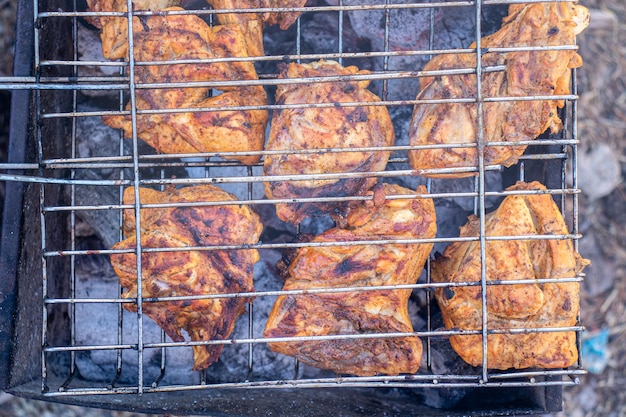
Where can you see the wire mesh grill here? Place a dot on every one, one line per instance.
(94, 87)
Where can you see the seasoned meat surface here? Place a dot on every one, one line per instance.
(190, 272)
(187, 37)
(358, 312)
(513, 306)
(309, 128)
(527, 73)
(114, 33)
(252, 23)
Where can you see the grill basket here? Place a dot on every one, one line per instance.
(68, 188)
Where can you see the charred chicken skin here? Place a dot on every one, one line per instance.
(363, 312)
(190, 272)
(187, 37)
(306, 128)
(252, 23)
(527, 73)
(513, 306)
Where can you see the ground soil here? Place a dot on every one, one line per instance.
(602, 122)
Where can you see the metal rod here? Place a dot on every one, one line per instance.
(313, 291)
(52, 253)
(136, 176)
(120, 312)
(72, 228)
(481, 189)
(42, 217)
(358, 336)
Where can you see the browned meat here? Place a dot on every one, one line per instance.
(528, 73)
(513, 306)
(179, 37)
(114, 33)
(252, 23)
(190, 272)
(306, 128)
(358, 312)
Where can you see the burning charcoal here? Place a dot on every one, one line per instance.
(409, 29)
(443, 361)
(493, 182)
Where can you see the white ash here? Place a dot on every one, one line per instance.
(94, 139)
(101, 67)
(97, 325)
(408, 30)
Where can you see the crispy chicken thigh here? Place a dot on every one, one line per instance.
(527, 73)
(252, 23)
(181, 37)
(190, 272)
(307, 128)
(513, 306)
(363, 312)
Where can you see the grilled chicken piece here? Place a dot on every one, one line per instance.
(252, 23)
(307, 128)
(529, 73)
(180, 37)
(364, 312)
(114, 33)
(513, 306)
(190, 272)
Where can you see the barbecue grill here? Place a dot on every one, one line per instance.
(65, 336)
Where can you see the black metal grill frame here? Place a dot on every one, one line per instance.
(39, 126)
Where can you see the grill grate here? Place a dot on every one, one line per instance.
(62, 185)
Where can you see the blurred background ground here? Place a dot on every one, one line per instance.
(602, 164)
(602, 161)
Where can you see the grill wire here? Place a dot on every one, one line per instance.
(52, 173)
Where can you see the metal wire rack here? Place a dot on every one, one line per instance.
(48, 172)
